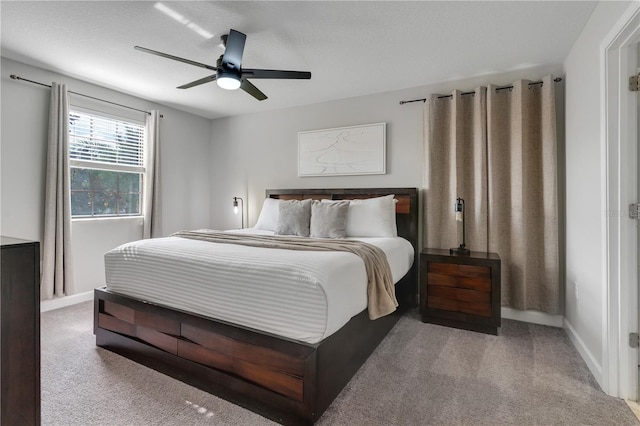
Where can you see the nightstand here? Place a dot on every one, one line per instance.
(460, 291)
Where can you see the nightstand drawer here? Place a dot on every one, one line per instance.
(459, 300)
(481, 309)
(480, 284)
(471, 271)
(460, 294)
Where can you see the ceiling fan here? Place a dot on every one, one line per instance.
(229, 73)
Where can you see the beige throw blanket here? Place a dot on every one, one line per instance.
(381, 294)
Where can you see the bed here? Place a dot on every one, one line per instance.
(286, 379)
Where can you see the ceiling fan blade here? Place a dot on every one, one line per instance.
(232, 57)
(257, 73)
(198, 82)
(175, 58)
(252, 90)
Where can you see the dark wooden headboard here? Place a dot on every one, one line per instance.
(406, 221)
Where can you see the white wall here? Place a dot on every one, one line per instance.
(185, 177)
(584, 304)
(255, 152)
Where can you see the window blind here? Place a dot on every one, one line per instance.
(107, 141)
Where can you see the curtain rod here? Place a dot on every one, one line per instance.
(533, 83)
(17, 77)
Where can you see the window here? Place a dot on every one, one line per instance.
(106, 158)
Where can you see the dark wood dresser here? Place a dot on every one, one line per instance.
(20, 338)
(460, 291)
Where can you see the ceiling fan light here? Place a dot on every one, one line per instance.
(228, 82)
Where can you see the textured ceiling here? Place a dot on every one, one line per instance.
(351, 48)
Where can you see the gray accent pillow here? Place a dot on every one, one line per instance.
(294, 218)
(329, 220)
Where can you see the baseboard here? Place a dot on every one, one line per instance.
(585, 353)
(63, 302)
(535, 317)
(635, 407)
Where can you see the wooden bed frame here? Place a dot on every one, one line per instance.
(285, 380)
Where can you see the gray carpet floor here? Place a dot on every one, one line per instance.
(421, 374)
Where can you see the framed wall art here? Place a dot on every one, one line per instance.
(353, 150)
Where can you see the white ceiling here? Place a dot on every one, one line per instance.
(351, 48)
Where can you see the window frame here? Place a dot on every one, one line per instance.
(110, 167)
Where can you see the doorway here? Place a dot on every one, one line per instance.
(620, 367)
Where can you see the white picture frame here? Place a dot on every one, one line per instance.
(343, 151)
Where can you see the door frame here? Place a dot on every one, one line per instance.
(619, 60)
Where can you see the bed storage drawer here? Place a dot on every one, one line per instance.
(279, 372)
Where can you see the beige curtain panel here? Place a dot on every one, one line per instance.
(57, 266)
(151, 211)
(523, 195)
(456, 166)
(497, 149)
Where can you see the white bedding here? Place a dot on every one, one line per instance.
(302, 295)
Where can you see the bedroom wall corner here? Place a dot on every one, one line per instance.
(585, 246)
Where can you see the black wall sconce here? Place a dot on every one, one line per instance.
(235, 209)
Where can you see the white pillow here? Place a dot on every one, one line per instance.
(372, 217)
(268, 219)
